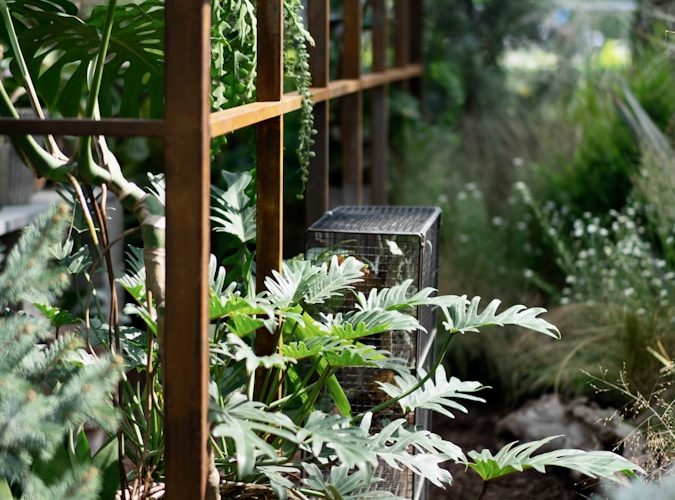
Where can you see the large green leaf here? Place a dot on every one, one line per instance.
(343, 484)
(238, 350)
(359, 324)
(437, 394)
(234, 211)
(399, 297)
(419, 451)
(300, 281)
(464, 316)
(513, 458)
(247, 423)
(59, 48)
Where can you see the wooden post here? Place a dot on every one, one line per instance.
(352, 107)
(317, 197)
(380, 112)
(416, 46)
(269, 153)
(187, 138)
(402, 47)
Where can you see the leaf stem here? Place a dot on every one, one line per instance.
(483, 491)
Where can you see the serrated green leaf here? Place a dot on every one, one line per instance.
(463, 316)
(437, 394)
(512, 458)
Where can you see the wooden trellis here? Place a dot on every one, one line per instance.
(187, 130)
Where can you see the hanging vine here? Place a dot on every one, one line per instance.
(296, 65)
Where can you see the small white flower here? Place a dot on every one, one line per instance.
(528, 274)
(497, 221)
(641, 311)
(603, 232)
(592, 229)
(629, 291)
(564, 301)
(571, 280)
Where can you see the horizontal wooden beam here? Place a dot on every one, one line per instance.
(230, 120)
(113, 127)
(222, 122)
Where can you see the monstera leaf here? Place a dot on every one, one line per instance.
(59, 48)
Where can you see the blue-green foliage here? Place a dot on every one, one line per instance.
(47, 392)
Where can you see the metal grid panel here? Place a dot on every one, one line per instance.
(395, 244)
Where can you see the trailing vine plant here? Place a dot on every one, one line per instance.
(296, 64)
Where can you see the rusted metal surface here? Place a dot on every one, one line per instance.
(317, 186)
(186, 369)
(352, 107)
(379, 184)
(114, 127)
(269, 153)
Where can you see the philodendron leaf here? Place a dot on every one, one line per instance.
(359, 324)
(301, 281)
(517, 458)
(234, 211)
(247, 423)
(238, 350)
(437, 394)
(420, 451)
(399, 297)
(462, 316)
(343, 484)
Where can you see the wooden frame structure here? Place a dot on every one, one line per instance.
(187, 129)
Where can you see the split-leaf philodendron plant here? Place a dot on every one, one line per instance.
(272, 431)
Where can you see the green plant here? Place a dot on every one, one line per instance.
(260, 423)
(50, 388)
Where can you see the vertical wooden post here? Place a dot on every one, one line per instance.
(352, 107)
(380, 113)
(317, 187)
(269, 152)
(402, 15)
(187, 139)
(416, 45)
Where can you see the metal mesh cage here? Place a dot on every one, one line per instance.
(395, 244)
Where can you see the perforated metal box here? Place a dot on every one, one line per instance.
(395, 244)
